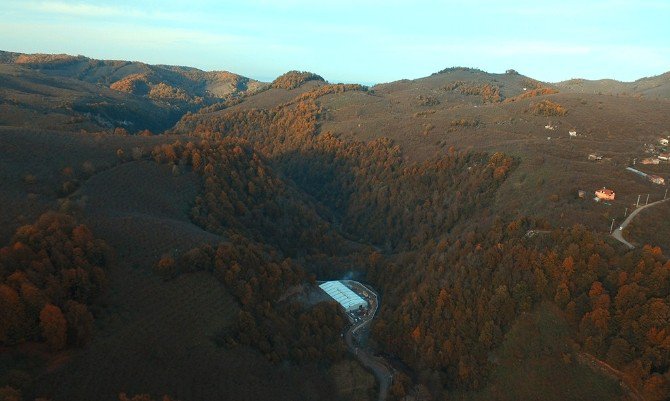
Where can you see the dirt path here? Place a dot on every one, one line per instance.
(607, 369)
(618, 233)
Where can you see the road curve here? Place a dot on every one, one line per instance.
(618, 233)
(376, 364)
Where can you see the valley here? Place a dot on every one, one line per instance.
(210, 197)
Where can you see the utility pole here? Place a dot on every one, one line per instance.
(638, 201)
(612, 226)
(647, 202)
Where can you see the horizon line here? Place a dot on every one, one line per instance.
(362, 82)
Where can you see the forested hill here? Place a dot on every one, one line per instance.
(155, 81)
(59, 91)
(196, 247)
(469, 273)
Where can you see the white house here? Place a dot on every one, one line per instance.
(656, 179)
(663, 141)
(573, 133)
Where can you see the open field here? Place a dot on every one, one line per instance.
(538, 354)
(142, 211)
(553, 166)
(651, 227)
(650, 87)
(44, 156)
(353, 382)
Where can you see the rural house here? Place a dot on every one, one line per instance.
(656, 179)
(605, 194)
(649, 160)
(664, 156)
(663, 141)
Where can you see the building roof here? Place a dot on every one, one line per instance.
(342, 294)
(605, 191)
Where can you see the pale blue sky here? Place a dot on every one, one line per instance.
(354, 41)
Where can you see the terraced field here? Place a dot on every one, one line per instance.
(157, 336)
(44, 155)
(141, 209)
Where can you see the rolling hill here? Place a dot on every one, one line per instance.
(656, 87)
(454, 195)
(74, 92)
(427, 116)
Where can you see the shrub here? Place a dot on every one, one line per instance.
(532, 93)
(294, 79)
(54, 326)
(489, 93)
(464, 122)
(547, 108)
(29, 179)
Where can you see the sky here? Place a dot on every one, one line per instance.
(363, 41)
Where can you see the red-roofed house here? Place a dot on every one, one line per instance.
(605, 194)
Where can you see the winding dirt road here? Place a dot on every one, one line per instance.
(618, 233)
(376, 364)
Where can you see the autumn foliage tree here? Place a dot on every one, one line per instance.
(50, 274)
(258, 277)
(143, 397)
(54, 326)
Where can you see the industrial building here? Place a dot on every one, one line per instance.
(348, 299)
(651, 177)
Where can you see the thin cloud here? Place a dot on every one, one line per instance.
(82, 10)
(97, 11)
(490, 47)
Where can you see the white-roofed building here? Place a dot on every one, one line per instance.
(349, 300)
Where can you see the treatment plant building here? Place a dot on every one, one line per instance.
(349, 300)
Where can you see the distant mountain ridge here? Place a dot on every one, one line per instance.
(71, 93)
(657, 86)
(65, 92)
(188, 83)
(192, 83)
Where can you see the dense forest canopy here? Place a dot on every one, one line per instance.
(51, 273)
